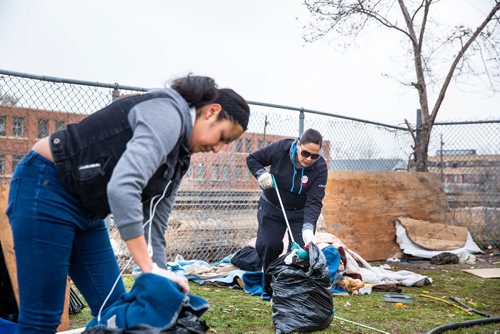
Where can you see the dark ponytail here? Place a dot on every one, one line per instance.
(198, 91)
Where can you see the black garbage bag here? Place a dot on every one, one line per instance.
(301, 298)
(185, 325)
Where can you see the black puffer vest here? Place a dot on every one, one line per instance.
(86, 153)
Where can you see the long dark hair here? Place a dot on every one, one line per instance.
(198, 91)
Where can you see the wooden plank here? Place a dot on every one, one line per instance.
(64, 325)
(73, 331)
(7, 241)
(7, 244)
(360, 207)
(484, 272)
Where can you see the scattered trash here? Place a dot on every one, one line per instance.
(446, 302)
(445, 258)
(397, 298)
(289, 259)
(75, 303)
(466, 257)
(387, 288)
(347, 304)
(366, 290)
(468, 307)
(393, 259)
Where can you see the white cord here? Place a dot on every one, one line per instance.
(112, 289)
(152, 211)
(283, 209)
(356, 323)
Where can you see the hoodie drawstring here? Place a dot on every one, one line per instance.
(295, 172)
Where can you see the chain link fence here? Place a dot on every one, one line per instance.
(216, 206)
(467, 157)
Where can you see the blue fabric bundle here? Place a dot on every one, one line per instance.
(7, 327)
(153, 300)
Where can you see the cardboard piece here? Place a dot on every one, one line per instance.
(485, 272)
(7, 242)
(361, 207)
(434, 236)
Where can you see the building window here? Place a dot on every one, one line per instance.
(225, 173)
(238, 145)
(215, 173)
(200, 172)
(3, 128)
(248, 145)
(2, 164)
(237, 172)
(247, 174)
(60, 125)
(43, 128)
(18, 127)
(15, 161)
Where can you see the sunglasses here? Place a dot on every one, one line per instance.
(307, 154)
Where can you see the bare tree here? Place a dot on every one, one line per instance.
(7, 100)
(474, 52)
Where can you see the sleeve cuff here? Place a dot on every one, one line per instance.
(307, 226)
(260, 172)
(131, 231)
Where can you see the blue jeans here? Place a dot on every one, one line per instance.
(55, 237)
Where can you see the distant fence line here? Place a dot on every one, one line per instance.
(216, 204)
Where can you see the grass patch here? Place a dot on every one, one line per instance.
(233, 311)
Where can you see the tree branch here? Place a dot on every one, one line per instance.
(419, 69)
(412, 131)
(381, 19)
(459, 56)
(424, 22)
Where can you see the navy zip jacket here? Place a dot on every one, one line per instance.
(300, 188)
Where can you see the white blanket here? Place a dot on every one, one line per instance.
(379, 275)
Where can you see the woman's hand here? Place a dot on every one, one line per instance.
(181, 281)
(139, 250)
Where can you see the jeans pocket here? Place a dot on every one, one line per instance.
(13, 194)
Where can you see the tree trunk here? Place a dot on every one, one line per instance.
(421, 147)
(421, 157)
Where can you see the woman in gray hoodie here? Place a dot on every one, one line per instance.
(126, 159)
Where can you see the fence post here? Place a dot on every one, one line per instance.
(115, 94)
(301, 121)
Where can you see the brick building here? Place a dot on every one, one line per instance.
(20, 128)
(469, 179)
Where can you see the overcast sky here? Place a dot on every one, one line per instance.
(253, 46)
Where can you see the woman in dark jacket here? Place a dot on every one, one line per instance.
(301, 174)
